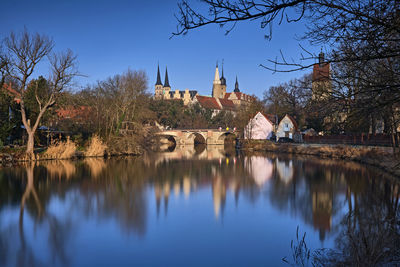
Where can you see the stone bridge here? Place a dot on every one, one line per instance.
(202, 136)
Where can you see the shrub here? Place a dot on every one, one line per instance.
(96, 147)
(61, 150)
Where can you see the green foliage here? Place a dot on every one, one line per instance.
(168, 112)
(173, 114)
(9, 117)
(40, 88)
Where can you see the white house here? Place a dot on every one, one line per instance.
(287, 127)
(259, 127)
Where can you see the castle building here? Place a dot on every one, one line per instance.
(220, 99)
(163, 91)
(238, 98)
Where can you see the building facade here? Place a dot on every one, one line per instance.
(259, 127)
(287, 127)
(163, 91)
(321, 79)
(219, 99)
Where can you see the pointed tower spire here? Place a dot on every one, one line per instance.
(158, 82)
(236, 86)
(166, 81)
(321, 57)
(216, 76)
(223, 80)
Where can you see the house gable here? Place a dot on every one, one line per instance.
(259, 127)
(287, 127)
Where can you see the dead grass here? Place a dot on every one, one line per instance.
(381, 157)
(96, 147)
(60, 169)
(60, 150)
(96, 166)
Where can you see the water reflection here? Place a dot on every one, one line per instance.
(260, 168)
(47, 211)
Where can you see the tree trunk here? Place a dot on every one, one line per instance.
(30, 145)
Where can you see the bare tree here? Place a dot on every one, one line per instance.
(3, 66)
(24, 52)
(328, 22)
(363, 39)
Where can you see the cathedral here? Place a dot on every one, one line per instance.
(219, 99)
(163, 91)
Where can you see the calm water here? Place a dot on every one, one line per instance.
(202, 207)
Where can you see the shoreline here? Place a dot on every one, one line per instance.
(380, 157)
(16, 159)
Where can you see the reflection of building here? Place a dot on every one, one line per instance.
(285, 170)
(219, 195)
(260, 168)
(322, 211)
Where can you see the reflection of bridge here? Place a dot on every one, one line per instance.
(203, 136)
(188, 153)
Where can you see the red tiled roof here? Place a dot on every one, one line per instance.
(320, 72)
(208, 102)
(70, 112)
(240, 96)
(293, 121)
(270, 117)
(227, 104)
(12, 92)
(227, 95)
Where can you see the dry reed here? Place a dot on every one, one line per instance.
(96, 166)
(61, 150)
(59, 169)
(96, 147)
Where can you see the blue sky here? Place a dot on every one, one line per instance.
(111, 36)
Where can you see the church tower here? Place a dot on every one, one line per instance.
(321, 81)
(236, 86)
(167, 87)
(158, 87)
(223, 82)
(217, 87)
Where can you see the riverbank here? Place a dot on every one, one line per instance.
(381, 157)
(115, 147)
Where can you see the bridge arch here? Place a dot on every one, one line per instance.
(168, 138)
(227, 137)
(198, 138)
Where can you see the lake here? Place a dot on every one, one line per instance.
(197, 206)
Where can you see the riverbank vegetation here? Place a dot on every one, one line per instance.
(381, 157)
(359, 91)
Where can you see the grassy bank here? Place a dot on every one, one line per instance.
(120, 146)
(381, 157)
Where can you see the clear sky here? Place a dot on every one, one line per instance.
(111, 36)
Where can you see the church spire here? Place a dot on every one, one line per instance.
(223, 80)
(158, 82)
(321, 57)
(216, 76)
(236, 86)
(166, 81)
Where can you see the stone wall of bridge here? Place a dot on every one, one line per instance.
(187, 137)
